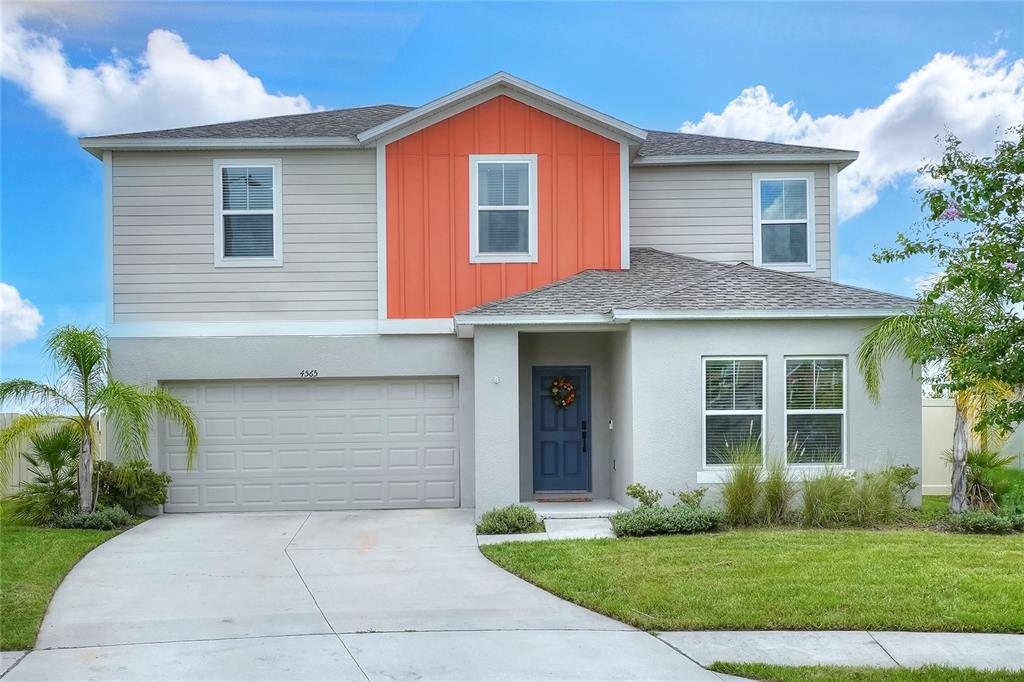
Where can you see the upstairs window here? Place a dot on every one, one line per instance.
(247, 196)
(733, 408)
(503, 208)
(784, 221)
(815, 410)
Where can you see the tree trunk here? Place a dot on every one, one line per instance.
(85, 502)
(958, 496)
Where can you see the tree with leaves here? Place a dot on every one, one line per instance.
(938, 335)
(974, 231)
(82, 392)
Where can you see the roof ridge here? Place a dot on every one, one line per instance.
(722, 268)
(808, 278)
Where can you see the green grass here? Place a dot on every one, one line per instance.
(786, 579)
(829, 673)
(35, 560)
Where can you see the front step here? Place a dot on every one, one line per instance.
(594, 509)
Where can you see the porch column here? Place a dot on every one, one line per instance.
(496, 411)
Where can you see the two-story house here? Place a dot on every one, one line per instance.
(499, 296)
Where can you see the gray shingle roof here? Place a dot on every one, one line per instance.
(661, 143)
(659, 281)
(351, 122)
(333, 123)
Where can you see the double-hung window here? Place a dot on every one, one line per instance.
(733, 408)
(784, 221)
(503, 208)
(247, 207)
(815, 410)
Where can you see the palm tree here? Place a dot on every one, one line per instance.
(935, 335)
(83, 391)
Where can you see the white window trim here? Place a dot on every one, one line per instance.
(530, 256)
(787, 412)
(704, 412)
(219, 260)
(810, 265)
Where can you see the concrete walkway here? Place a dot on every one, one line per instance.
(324, 595)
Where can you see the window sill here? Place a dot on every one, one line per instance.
(788, 267)
(503, 258)
(248, 263)
(796, 471)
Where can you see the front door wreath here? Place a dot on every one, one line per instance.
(563, 392)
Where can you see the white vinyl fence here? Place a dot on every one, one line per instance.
(21, 472)
(937, 415)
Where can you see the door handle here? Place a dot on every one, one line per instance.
(584, 434)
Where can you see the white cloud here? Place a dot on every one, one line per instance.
(166, 86)
(19, 319)
(973, 97)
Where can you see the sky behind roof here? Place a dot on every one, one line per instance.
(883, 78)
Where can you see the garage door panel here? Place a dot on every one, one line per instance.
(323, 444)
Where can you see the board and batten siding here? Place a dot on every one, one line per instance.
(707, 211)
(163, 240)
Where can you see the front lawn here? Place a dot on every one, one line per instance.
(829, 673)
(35, 560)
(786, 579)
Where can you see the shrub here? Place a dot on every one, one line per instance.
(874, 500)
(644, 496)
(1012, 501)
(515, 518)
(132, 485)
(53, 492)
(902, 477)
(103, 518)
(777, 492)
(664, 520)
(985, 480)
(980, 522)
(691, 498)
(826, 499)
(741, 491)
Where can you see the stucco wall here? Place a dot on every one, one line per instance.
(621, 414)
(586, 348)
(496, 363)
(667, 372)
(152, 360)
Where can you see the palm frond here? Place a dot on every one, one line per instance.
(15, 437)
(80, 353)
(166, 405)
(42, 397)
(127, 412)
(980, 398)
(903, 335)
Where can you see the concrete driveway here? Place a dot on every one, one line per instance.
(391, 595)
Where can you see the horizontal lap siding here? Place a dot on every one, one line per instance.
(164, 231)
(428, 270)
(707, 212)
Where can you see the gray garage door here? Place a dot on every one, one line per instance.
(317, 444)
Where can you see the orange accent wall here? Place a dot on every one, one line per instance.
(428, 270)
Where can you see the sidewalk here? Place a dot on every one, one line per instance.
(853, 648)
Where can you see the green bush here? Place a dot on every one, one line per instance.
(874, 500)
(691, 498)
(980, 522)
(664, 520)
(986, 478)
(826, 499)
(902, 477)
(741, 491)
(53, 491)
(515, 518)
(103, 518)
(1012, 501)
(777, 493)
(132, 485)
(644, 496)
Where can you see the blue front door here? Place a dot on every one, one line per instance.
(561, 435)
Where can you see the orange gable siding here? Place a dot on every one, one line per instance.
(428, 270)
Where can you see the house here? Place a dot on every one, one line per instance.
(502, 295)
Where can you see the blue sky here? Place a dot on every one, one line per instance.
(831, 73)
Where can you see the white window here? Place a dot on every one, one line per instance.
(247, 206)
(503, 208)
(816, 410)
(784, 221)
(733, 408)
